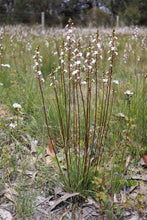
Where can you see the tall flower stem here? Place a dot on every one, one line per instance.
(45, 115)
(63, 136)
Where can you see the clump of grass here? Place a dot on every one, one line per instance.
(24, 201)
(84, 100)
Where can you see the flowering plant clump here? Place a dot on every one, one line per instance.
(76, 92)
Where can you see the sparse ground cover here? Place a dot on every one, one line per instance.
(73, 121)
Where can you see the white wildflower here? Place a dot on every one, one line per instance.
(105, 80)
(1, 84)
(68, 37)
(75, 50)
(43, 80)
(80, 54)
(28, 46)
(93, 40)
(115, 81)
(93, 61)
(46, 43)
(87, 54)
(113, 48)
(110, 43)
(16, 105)
(83, 83)
(13, 125)
(138, 58)
(98, 45)
(128, 92)
(121, 115)
(69, 30)
(39, 72)
(74, 72)
(66, 26)
(5, 65)
(95, 52)
(78, 62)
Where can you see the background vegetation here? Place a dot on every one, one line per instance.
(83, 12)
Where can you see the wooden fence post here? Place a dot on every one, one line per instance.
(42, 20)
(117, 21)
